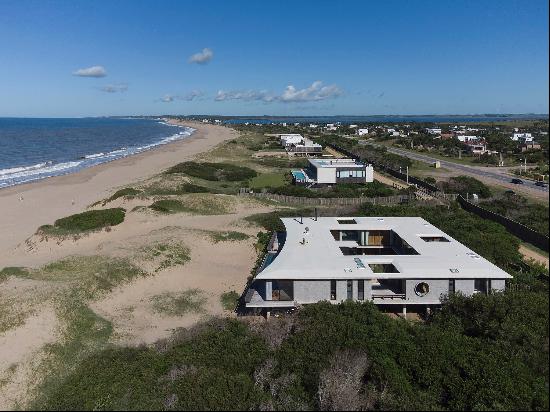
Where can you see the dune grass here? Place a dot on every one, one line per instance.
(268, 180)
(166, 255)
(179, 303)
(88, 221)
(214, 171)
(229, 236)
(197, 203)
(229, 300)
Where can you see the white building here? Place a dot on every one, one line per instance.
(434, 130)
(353, 126)
(467, 138)
(334, 171)
(401, 261)
(331, 126)
(291, 139)
(527, 137)
(362, 132)
(313, 126)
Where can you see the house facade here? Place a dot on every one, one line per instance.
(398, 262)
(334, 171)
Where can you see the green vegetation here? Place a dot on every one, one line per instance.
(179, 303)
(373, 189)
(464, 185)
(229, 236)
(166, 255)
(484, 352)
(268, 180)
(127, 192)
(84, 222)
(15, 271)
(168, 206)
(199, 203)
(518, 208)
(214, 171)
(178, 189)
(229, 300)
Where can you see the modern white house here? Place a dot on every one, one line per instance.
(297, 145)
(397, 262)
(334, 171)
(527, 137)
(362, 132)
(467, 138)
(434, 130)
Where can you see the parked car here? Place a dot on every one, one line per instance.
(541, 184)
(517, 181)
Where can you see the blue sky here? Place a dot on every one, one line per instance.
(277, 58)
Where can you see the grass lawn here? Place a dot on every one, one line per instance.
(268, 180)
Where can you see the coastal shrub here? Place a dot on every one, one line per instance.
(372, 189)
(179, 303)
(14, 271)
(166, 255)
(464, 185)
(214, 171)
(126, 192)
(229, 300)
(229, 236)
(176, 190)
(85, 221)
(168, 206)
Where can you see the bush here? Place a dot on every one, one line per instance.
(229, 300)
(168, 206)
(126, 192)
(464, 185)
(214, 171)
(86, 221)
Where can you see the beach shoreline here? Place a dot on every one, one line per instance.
(25, 207)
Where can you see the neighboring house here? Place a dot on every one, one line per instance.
(306, 148)
(334, 171)
(398, 262)
(362, 132)
(467, 138)
(353, 126)
(480, 149)
(530, 146)
(446, 136)
(313, 126)
(436, 130)
(527, 137)
(331, 126)
(291, 139)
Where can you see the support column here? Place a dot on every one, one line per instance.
(405, 311)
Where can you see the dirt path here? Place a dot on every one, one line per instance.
(531, 254)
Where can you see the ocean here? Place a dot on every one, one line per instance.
(34, 149)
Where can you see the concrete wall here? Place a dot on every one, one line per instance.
(326, 175)
(311, 291)
(438, 287)
(369, 174)
(464, 286)
(498, 285)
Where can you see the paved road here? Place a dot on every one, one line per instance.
(501, 178)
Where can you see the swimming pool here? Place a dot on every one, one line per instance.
(299, 175)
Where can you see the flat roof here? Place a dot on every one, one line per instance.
(332, 163)
(311, 252)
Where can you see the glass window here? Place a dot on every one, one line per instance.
(350, 290)
(332, 290)
(361, 290)
(451, 286)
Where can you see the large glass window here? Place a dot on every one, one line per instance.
(350, 290)
(361, 290)
(451, 286)
(282, 290)
(480, 286)
(332, 290)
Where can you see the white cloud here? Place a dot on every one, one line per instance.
(94, 71)
(202, 57)
(115, 88)
(192, 95)
(315, 92)
(249, 95)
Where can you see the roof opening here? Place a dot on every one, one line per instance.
(347, 221)
(383, 268)
(434, 239)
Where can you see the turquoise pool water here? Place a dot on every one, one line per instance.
(298, 175)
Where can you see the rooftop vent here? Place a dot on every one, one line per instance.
(347, 221)
(454, 270)
(434, 239)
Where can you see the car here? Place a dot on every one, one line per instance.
(541, 183)
(517, 181)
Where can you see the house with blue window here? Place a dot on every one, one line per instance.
(322, 172)
(397, 262)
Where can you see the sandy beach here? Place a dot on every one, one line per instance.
(33, 309)
(24, 208)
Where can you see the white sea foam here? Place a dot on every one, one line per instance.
(24, 174)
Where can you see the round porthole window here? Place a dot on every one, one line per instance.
(422, 289)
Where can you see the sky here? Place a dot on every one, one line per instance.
(97, 58)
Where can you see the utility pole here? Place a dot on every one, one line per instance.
(407, 174)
